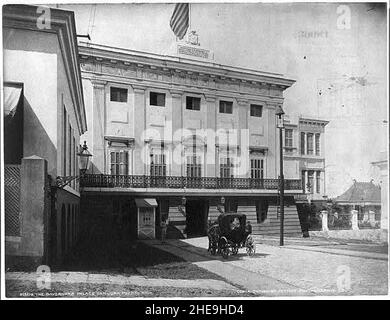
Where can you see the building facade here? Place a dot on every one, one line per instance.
(44, 118)
(304, 156)
(188, 139)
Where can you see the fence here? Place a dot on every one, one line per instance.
(342, 221)
(143, 181)
(12, 199)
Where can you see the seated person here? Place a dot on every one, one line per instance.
(235, 224)
(248, 229)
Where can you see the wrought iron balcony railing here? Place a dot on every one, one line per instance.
(175, 182)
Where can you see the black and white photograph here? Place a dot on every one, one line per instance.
(208, 150)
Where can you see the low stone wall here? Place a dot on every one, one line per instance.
(373, 235)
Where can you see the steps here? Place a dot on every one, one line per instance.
(271, 226)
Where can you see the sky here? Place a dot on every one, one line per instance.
(337, 55)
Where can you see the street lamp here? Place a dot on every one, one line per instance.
(84, 162)
(280, 124)
(84, 157)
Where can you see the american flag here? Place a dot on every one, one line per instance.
(180, 20)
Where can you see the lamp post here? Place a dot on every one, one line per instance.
(280, 124)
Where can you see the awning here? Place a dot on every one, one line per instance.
(11, 98)
(149, 203)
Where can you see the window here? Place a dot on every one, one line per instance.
(194, 166)
(157, 99)
(309, 143)
(317, 142)
(147, 216)
(225, 107)
(288, 138)
(119, 162)
(192, 103)
(257, 168)
(158, 165)
(118, 94)
(304, 186)
(310, 181)
(226, 168)
(318, 181)
(303, 143)
(256, 110)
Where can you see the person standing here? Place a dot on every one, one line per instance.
(164, 227)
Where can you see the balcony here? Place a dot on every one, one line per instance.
(175, 182)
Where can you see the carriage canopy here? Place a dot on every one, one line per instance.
(231, 223)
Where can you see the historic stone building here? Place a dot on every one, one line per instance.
(181, 138)
(304, 156)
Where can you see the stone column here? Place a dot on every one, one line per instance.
(354, 219)
(33, 210)
(98, 125)
(212, 128)
(139, 127)
(324, 215)
(177, 125)
(273, 142)
(243, 138)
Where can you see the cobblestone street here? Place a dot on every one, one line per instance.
(296, 269)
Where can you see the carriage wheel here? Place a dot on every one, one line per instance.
(224, 247)
(225, 252)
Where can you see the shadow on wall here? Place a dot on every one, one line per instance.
(36, 140)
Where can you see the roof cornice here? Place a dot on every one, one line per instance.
(114, 55)
(63, 24)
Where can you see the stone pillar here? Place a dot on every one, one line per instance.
(324, 215)
(139, 127)
(273, 142)
(98, 116)
(176, 219)
(177, 125)
(212, 127)
(33, 210)
(354, 219)
(243, 138)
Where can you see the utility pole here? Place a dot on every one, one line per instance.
(280, 121)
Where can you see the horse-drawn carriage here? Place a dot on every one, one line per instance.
(230, 233)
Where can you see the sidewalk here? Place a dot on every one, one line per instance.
(91, 278)
(239, 277)
(290, 270)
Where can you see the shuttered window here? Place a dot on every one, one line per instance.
(226, 167)
(257, 168)
(194, 166)
(119, 161)
(158, 165)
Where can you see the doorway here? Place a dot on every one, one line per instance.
(196, 218)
